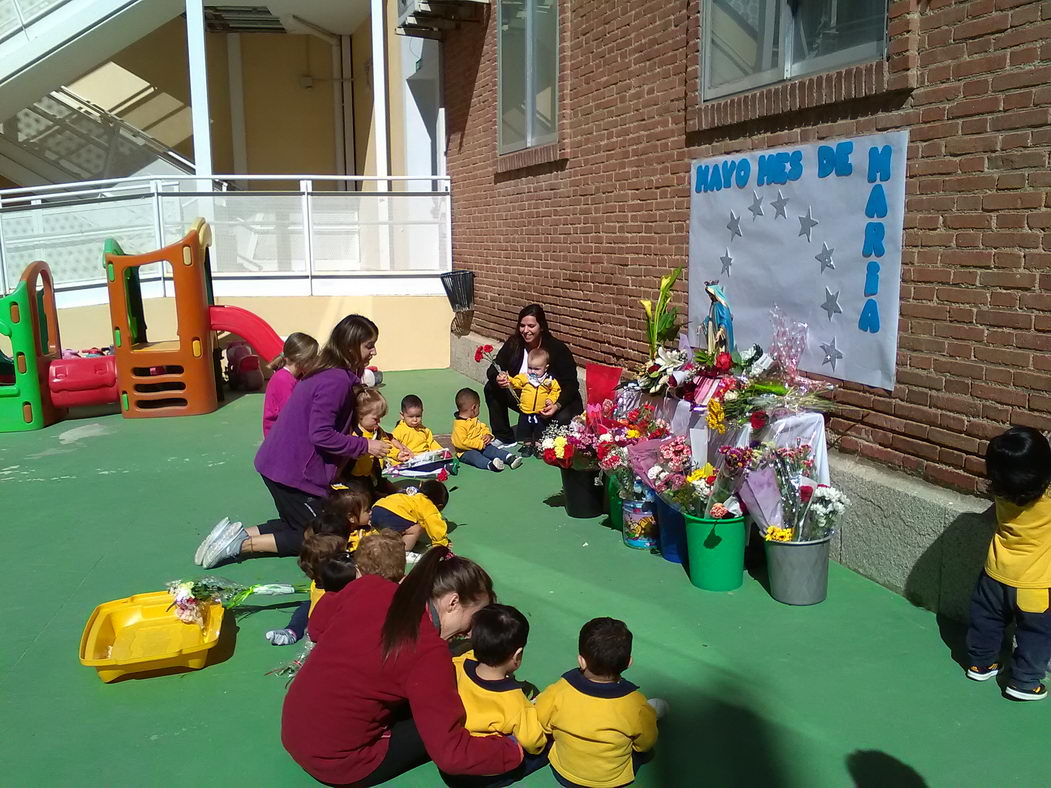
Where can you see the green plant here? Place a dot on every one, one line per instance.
(662, 321)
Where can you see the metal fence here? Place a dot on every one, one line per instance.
(394, 225)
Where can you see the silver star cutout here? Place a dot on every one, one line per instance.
(807, 223)
(831, 304)
(779, 205)
(727, 261)
(734, 226)
(757, 206)
(825, 258)
(832, 354)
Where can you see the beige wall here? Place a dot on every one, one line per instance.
(361, 58)
(414, 330)
(289, 128)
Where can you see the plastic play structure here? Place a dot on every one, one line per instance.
(181, 377)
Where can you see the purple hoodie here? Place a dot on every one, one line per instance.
(309, 442)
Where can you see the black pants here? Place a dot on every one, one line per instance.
(530, 763)
(295, 509)
(500, 403)
(531, 427)
(993, 606)
(404, 752)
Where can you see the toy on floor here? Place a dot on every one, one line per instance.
(244, 370)
(372, 377)
(165, 630)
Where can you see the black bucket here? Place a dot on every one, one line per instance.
(459, 287)
(585, 492)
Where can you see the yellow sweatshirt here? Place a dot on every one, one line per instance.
(1020, 553)
(417, 440)
(469, 434)
(596, 727)
(532, 397)
(366, 464)
(497, 707)
(418, 509)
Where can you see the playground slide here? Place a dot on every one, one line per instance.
(250, 327)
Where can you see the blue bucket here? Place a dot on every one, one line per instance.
(672, 532)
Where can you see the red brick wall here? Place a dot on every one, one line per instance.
(586, 227)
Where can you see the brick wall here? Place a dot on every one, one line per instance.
(587, 226)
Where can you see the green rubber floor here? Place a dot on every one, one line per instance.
(859, 690)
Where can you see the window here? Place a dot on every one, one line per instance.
(527, 52)
(751, 43)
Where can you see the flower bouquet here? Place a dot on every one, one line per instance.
(485, 353)
(191, 597)
(572, 445)
(662, 322)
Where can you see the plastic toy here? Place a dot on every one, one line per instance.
(142, 633)
(148, 379)
(243, 368)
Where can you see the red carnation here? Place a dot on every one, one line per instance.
(758, 420)
(723, 362)
(488, 348)
(711, 479)
(549, 456)
(443, 474)
(806, 492)
(478, 354)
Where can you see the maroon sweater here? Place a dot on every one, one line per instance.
(341, 702)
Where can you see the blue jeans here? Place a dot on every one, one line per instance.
(993, 606)
(481, 459)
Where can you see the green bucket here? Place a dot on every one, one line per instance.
(616, 505)
(716, 550)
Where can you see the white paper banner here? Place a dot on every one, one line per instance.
(815, 229)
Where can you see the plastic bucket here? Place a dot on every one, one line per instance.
(672, 532)
(716, 552)
(584, 491)
(640, 525)
(798, 571)
(614, 504)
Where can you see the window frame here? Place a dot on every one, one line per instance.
(785, 70)
(532, 140)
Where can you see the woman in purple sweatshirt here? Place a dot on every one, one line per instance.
(305, 449)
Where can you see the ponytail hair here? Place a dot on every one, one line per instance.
(299, 349)
(439, 572)
(366, 399)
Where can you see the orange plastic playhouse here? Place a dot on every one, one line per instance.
(177, 377)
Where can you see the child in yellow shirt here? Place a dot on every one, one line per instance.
(411, 431)
(1016, 582)
(494, 701)
(536, 391)
(604, 729)
(472, 439)
(371, 408)
(413, 513)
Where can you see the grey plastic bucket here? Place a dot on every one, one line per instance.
(798, 571)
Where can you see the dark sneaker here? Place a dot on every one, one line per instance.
(983, 674)
(1039, 692)
(527, 450)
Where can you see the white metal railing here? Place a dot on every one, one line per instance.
(17, 15)
(398, 225)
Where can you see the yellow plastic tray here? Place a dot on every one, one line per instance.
(140, 634)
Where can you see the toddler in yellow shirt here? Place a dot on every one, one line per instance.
(1016, 582)
(537, 391)
(497, 704)
(414, 513)
(473, 440)
(604, 729)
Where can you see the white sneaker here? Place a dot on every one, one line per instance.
(226, 545)
(497, 464)
(660, 706)
(220, 526)
(516, 462)
(501, 445)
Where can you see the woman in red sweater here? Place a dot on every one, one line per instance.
(377, 696)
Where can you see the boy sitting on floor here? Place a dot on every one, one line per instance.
(603, 727)
(472, 438)
(494, 701)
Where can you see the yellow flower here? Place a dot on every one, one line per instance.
(775, 534)
(716, 417)
(648, 306)
(633, 433)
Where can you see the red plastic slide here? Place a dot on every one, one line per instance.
(250, 327)
(75, 382)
